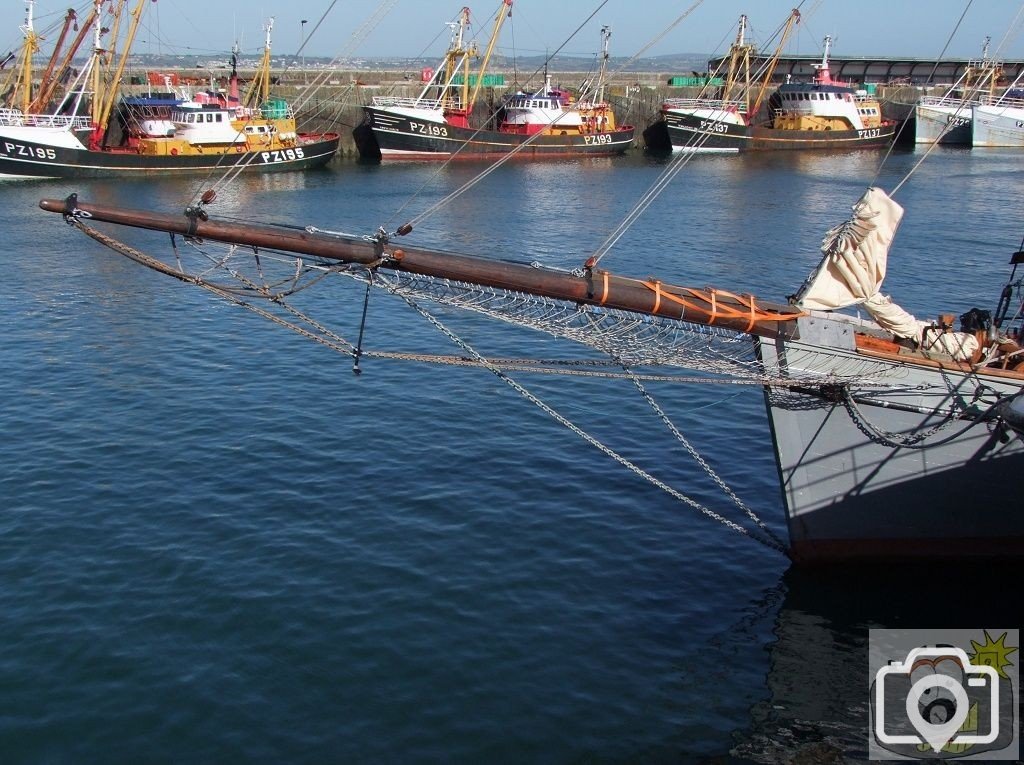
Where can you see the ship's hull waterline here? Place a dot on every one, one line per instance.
(385, 134)
(689, 132)
(852, 492)
(24, 159)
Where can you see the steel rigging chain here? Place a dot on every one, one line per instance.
(916, 441)
(726, 489)
(768, 540)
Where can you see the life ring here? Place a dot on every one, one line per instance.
(174, 152)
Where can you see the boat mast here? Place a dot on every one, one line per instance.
(739, 65)
(455, 58)
(822, 74)
(28, 50)
(978, 74)
(96, 75)
(606, 34)
(52, 79)
(791, 22)
(107, 101)
(498, 22)
(259, 88)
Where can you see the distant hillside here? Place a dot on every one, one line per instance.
(682, 63)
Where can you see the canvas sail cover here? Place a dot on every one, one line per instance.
(855, 254)
(853, 269)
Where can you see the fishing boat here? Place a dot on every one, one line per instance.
(1000, 121)
(821, 114)
(948, 119)
(894, 437)
(437, 123)
(78, 138)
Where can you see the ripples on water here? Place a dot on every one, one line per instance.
(217, 544)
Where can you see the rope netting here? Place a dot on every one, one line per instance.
(277, 286)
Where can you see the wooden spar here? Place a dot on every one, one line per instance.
(741, 313)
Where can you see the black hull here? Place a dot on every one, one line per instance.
(26, 159)
(690, 133)
(397, 136)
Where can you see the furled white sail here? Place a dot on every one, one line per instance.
(853, 269)
(855, 253)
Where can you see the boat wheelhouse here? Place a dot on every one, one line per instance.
(436, 124)
(168, 133)
(822, 114)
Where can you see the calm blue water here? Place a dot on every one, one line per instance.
(218, 545)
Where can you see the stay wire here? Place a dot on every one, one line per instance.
(473, 181)
(766, 540)
(502, 160)
(888, 152)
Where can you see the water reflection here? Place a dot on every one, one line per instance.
(816, 707)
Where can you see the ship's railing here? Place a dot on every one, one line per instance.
(1010, 103)
(417, 103)
(15, 118)
(985, 63)
(704, 103)
(949, 101)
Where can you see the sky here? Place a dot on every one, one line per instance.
(415, 28)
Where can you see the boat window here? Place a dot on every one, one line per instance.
(220, 117)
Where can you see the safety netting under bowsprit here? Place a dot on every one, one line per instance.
(296, 292)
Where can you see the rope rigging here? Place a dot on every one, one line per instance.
(278, 290)
(271, 283)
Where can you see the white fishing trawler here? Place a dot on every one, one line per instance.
(948, 119)
(999, 121)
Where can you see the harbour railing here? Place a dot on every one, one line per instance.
(1010, 103)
